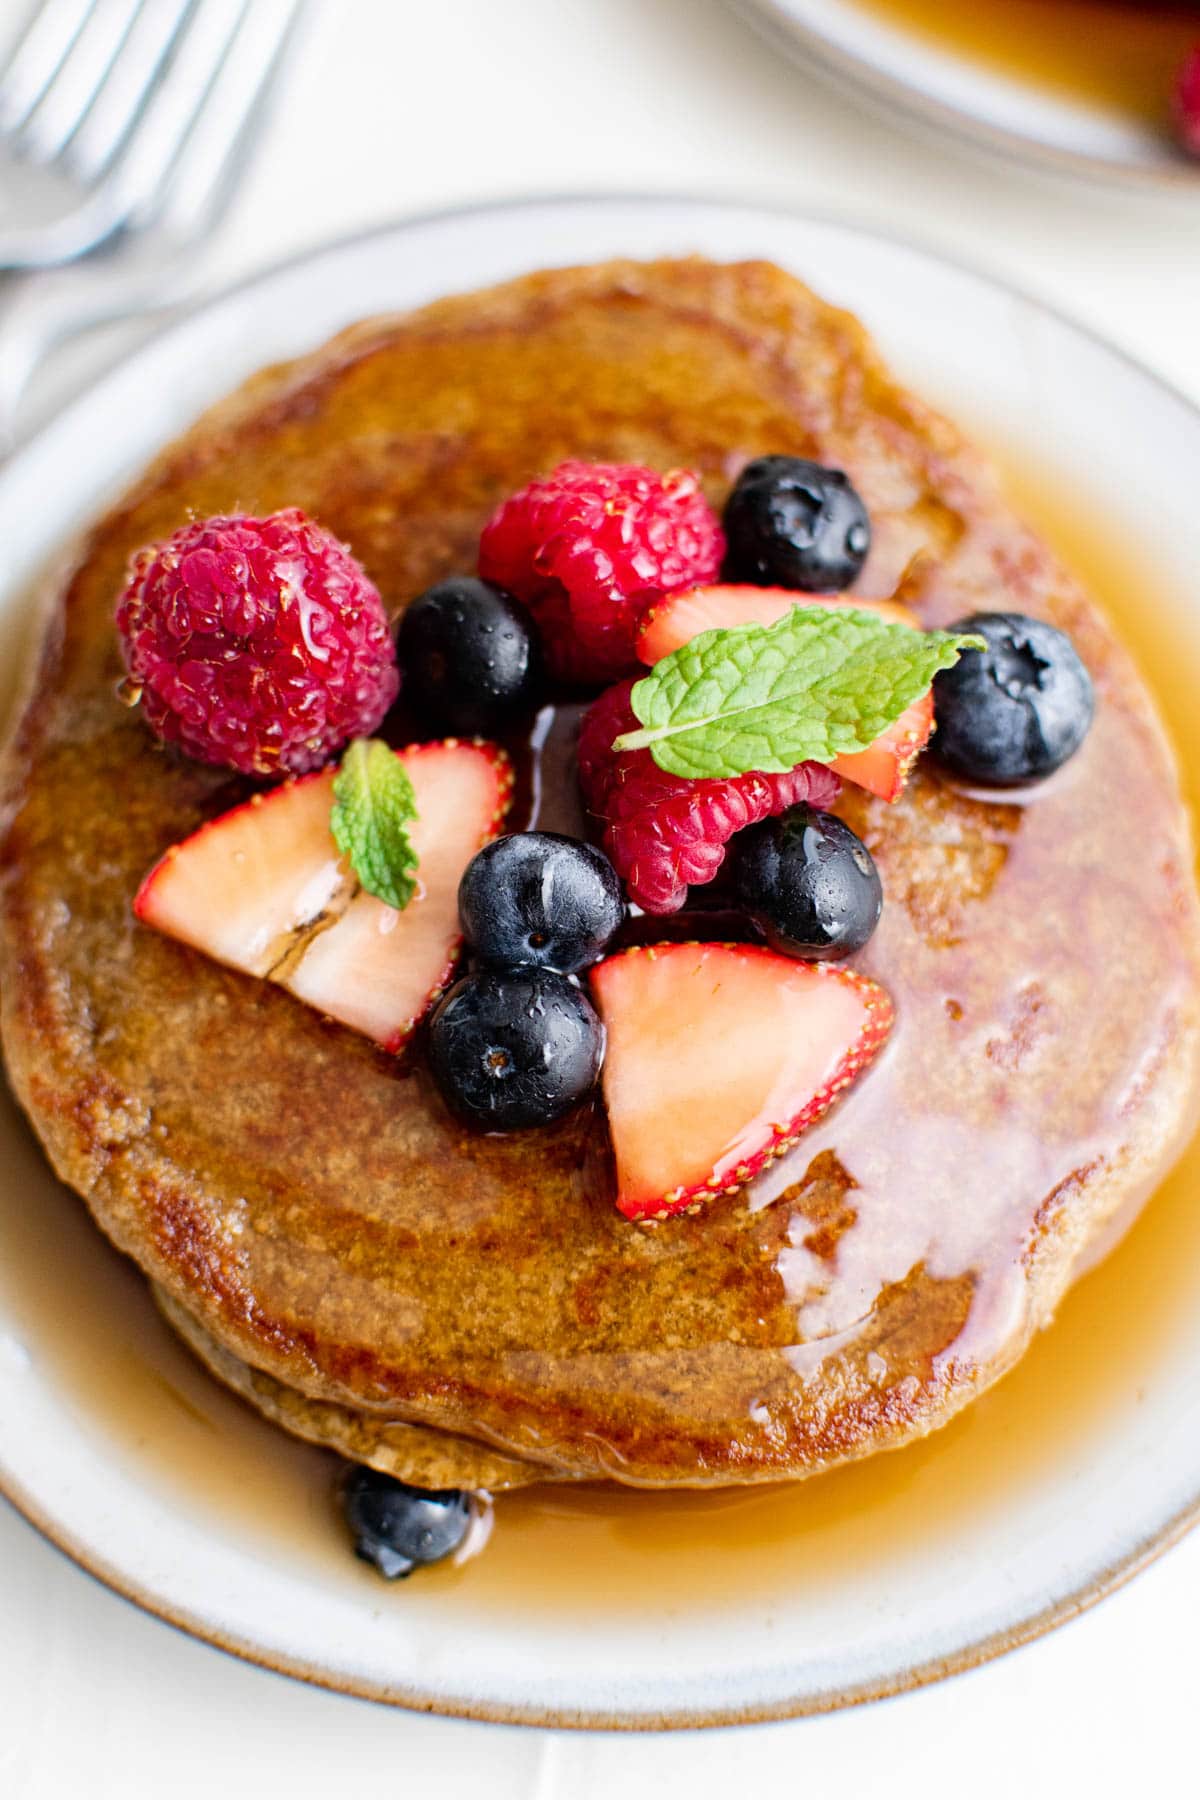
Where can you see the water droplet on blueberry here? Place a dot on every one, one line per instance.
(809, 884)
(538, 897)
(797, 524)
(470, 656)
(512, 1049)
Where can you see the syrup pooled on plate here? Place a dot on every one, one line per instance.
(570, 1550)
(1117, 54)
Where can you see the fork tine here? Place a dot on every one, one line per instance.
(198, 187)
(154, 34)
(136, 184)
(38, 56)
(81, 76)
(150, 152)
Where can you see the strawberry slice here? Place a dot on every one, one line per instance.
(719, 1056)
(680, 617)
(264, 889)
(882, 768)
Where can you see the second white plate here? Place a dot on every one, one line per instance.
(937, 86)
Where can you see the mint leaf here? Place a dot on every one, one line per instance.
(373, 805)
(820, 683)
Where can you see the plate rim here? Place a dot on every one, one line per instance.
(887, 94)
(1145, 1550)
(924, 1674)
(179, 316)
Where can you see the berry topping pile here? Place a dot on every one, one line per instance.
(259, 644)
(666, 833)
(589, 547)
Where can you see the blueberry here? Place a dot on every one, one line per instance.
(539, 898)
(795, 524)
(809, 884)
(470, 655)
(515, 1048)
(1016, 711)
(400, 1528)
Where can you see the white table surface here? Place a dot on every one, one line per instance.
(398, 106)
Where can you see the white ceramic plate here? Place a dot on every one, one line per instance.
(942, 87)
(1071, 1473)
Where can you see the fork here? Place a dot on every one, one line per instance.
(149, 121)
(105, 94)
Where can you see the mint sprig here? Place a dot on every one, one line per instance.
(373, 806)
(821, 682)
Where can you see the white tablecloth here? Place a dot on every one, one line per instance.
(397, 106)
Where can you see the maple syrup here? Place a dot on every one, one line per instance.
(1120, 55)
(88, 1318)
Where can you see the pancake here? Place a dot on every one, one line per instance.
(326, 1234)
(419, 1454)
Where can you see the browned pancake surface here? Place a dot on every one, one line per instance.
(311, 1202)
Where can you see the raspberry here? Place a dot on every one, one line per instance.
(1187, 102)
(663, 833)
(256, 643)
(590, 547)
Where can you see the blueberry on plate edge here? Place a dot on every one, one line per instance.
(398, 1528)
(796, 524)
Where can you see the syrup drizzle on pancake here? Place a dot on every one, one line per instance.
(931, 1192)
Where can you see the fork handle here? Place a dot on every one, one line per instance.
(39, 312)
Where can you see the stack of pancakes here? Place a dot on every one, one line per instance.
(469, 1310)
